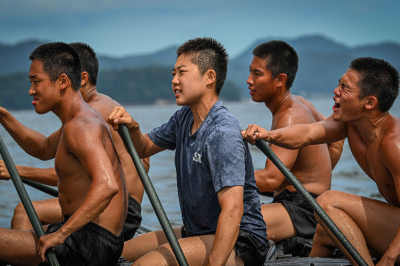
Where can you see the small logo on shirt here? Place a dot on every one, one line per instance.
(197, 157)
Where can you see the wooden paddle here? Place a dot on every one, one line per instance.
(264, 147)
(153, 197)
(23, 195)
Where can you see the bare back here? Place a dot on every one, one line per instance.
(86, 147)
(105, 105)
(312, 166)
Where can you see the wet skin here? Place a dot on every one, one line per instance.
(198, 92)
(375, 143)
(311, 165)
(91, 185)
(49, 210)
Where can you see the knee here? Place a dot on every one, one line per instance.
(19, 210)
(327, 200)
(19, 215)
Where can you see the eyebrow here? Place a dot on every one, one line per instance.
(32, 76)
(179, 67)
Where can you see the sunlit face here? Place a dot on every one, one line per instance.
(261, 84)
(44, 91)
(188, 84)
(347, 105)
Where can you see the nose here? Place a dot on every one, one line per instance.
(336, 91)
(249, 80)
(175, 80)
(32, 91)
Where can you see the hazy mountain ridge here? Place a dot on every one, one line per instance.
(322, 61)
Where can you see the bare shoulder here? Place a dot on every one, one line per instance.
(104, 104)
(296, 113)
(85, 127)
(318, 116)
(389, 146)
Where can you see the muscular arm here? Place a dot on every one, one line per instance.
(298, 136)
(45, 176)
(91, 153)
(31, 141)
(143, 144)
(335, 151)
(389, 156)
(270, 178)
(231, 202)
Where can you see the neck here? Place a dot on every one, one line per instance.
(88, 92)
(370, 125)
(71, 101)
(278, 100)
(200, 111)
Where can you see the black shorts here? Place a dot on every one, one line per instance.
(90, 245)
(301, 214)
(133, 219)
(252, 251)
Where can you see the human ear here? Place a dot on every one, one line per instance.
(64, 81)
(85, 78)
(211, 76)
(281, 80)
(371, 102)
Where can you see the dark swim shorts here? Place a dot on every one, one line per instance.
(252, 251)
(90, 245)
(301, 214)
(133, 219)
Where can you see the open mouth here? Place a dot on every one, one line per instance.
(252, 91)
(34, 101)
(177, 92)
(336, 106)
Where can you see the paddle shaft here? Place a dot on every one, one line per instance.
(264, 147)
(151, 193)
(23, 195)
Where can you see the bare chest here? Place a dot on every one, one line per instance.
(369, 158)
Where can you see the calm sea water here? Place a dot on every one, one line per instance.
(347, 176)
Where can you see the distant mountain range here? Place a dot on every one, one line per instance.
(322, 61)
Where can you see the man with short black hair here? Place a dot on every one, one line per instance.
(49, 210)
(272, 73)
(91, 185)
(218, 196)
(362, 99)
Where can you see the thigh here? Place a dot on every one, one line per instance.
(19, 247)
(139, 246)
(377, 220)
(196, 251)
(277, 219)
(48, 210)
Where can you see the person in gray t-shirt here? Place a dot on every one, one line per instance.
(218, 195)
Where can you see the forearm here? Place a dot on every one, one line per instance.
(225, 236)
(139, 140)
(28, 139)
(47, 176)
(293, 137)
(96, 201)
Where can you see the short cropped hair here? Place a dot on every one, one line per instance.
(59, 58)
(378, 78)
(88, 58)
(281, 58)
(207, 53)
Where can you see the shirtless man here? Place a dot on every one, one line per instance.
(49, 210)
(217, 192)
(272, 73)
(91, 185)
(363, 98)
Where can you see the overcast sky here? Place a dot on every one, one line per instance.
(127, 27)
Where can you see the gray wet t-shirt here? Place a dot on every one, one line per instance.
(214, 157)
